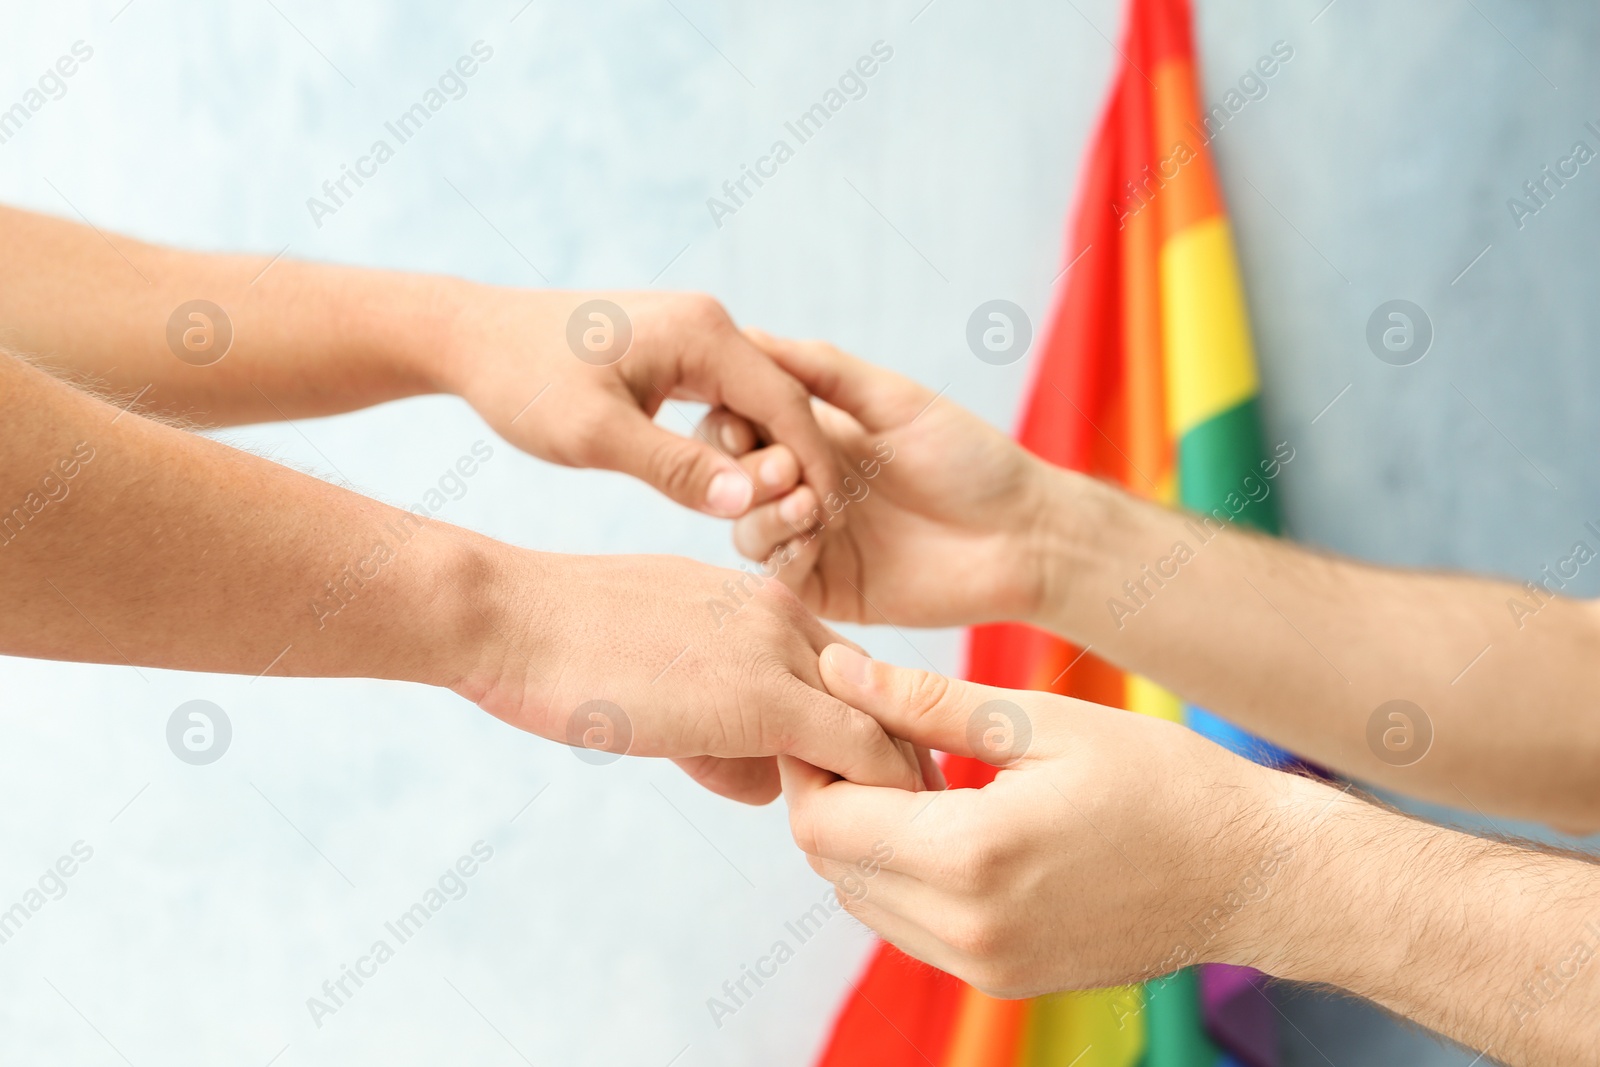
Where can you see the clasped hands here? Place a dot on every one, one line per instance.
(860, 496)
(1108, 848)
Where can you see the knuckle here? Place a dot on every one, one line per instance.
(748, 539)
(853, 903)
(701, 310)
(675, 470)
(780, 727)
(790, 393)
(872, 746)
(998, 981)
(925, 691)
(975, 934)
(817, 346)
(782, 602)
(803, 828)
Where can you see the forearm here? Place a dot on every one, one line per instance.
(307, 339)
(1488, 943)
(123, 540)
(1303, 649)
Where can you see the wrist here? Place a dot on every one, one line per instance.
(490, 332)
(1069, 539)
(1481, 940)
(459, 620)
(427, 315)
(390, 329)
(499, 656)
(1330, 913)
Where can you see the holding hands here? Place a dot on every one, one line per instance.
(572, 377)
(945, 532)
(638, 653)
(1109, 848)
(716, 669)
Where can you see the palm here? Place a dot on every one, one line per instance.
(934, 541)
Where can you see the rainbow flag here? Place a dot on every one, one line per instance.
(1145, 377)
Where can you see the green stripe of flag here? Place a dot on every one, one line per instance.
(1220, 468)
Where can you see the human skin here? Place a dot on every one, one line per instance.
(312, 339)
(1299, 647)
(1070, 871)
(139, 543)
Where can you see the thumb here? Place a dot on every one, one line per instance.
(690, 471)
(929, 709)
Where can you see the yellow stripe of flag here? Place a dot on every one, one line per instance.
(1204, 331)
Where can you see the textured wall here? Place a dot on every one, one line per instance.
(219, 898)
(1379, 167)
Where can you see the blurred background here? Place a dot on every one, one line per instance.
(1377, 165)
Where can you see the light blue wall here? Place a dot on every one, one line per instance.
(1377, 166)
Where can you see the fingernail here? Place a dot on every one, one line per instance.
(729, 439)
(849, 664)
(729, 494)
(774, 471)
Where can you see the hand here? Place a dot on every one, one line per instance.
(942, 507)
(511, 357)
(1112, 847)
(715, 668)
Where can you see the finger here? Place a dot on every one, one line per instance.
(929, 709)
(773, 470)
(792, 563)
(799, 778)
(696, 472)
(902, 911)
(866, 880)
(735, 436)
(689, 471)
(909, 937)
(866, 877)
(932, 773)
(796, 563)
(827, 733)
(823, 636)
(879, 399)
(913, 756)
(841, 821)
(747, 779)
(766, 526)
(749, 383)
(731, 433)
(844, 428)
